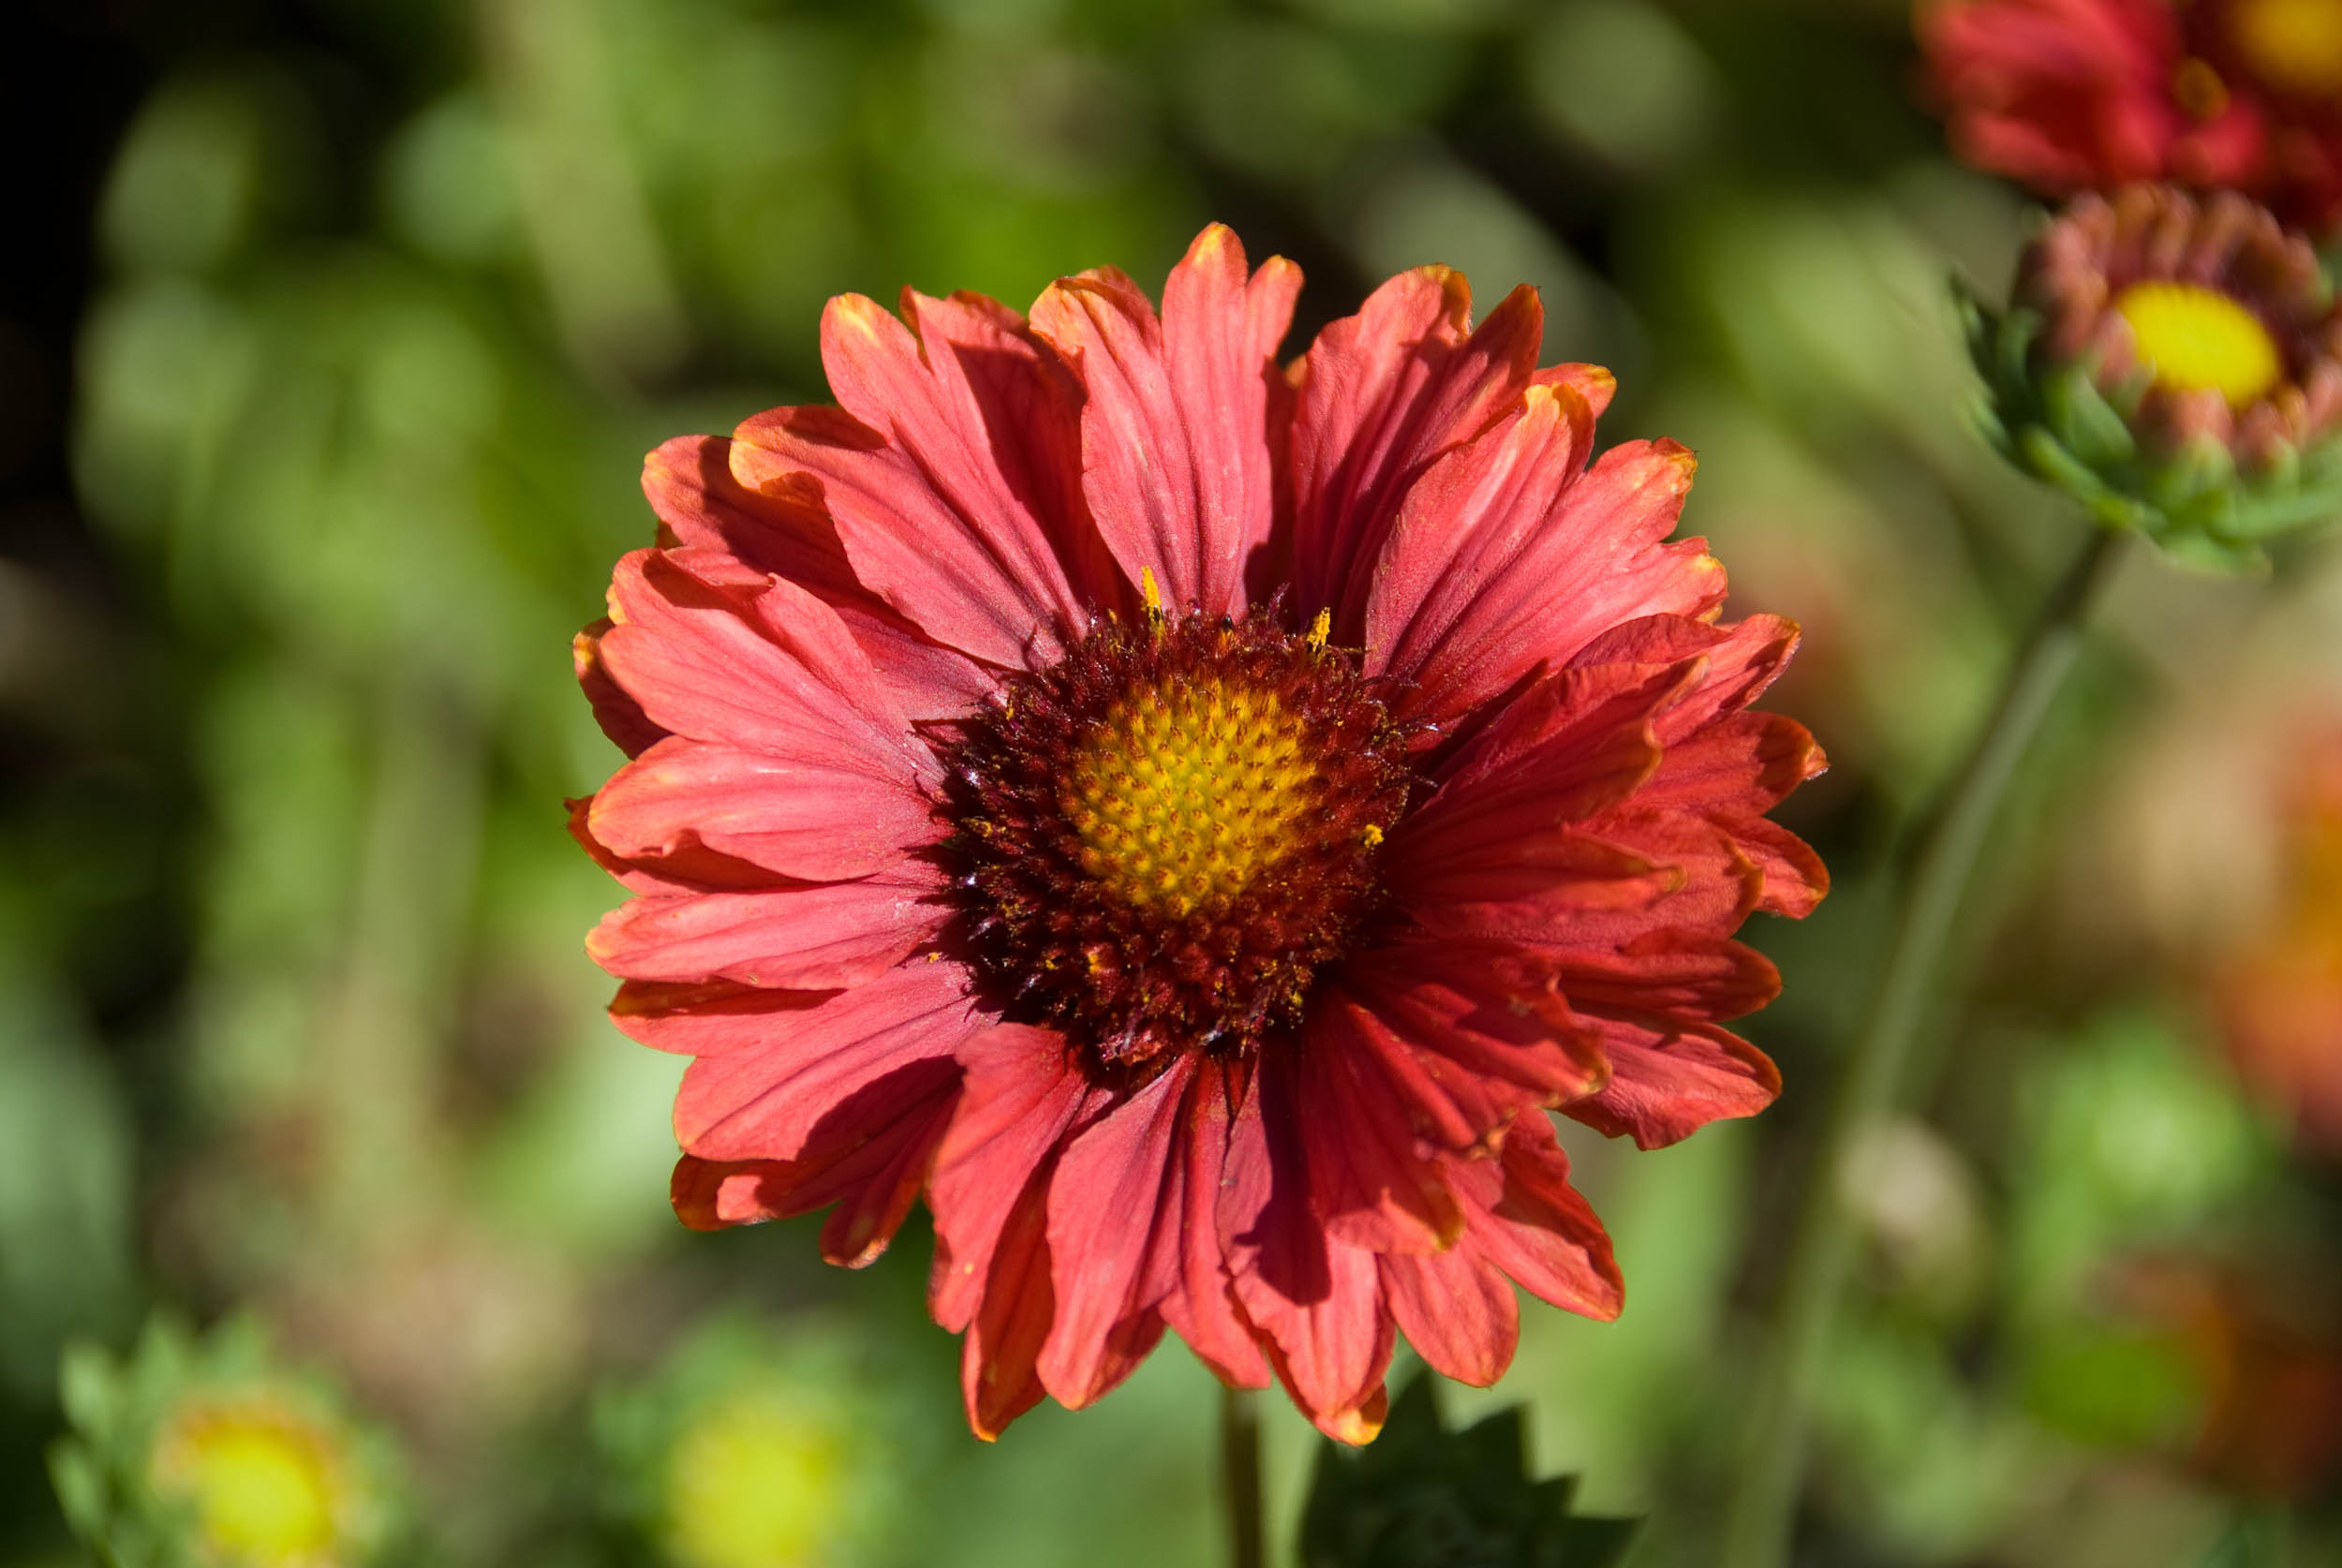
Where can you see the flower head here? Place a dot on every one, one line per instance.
(1190, 817)
(751, 1448)
(201, 1452)
(2175, 365)
(2069, 95)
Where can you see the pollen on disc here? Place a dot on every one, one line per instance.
(2193, 338)
(1205, 778)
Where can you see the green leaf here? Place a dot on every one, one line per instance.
(1423, 1497)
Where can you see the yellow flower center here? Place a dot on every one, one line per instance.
(748, 1486)
(1184, 796)
(262, 1483)
(2195, 337)
(1165, 833)
(2295, 45)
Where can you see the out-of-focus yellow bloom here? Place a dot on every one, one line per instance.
(752, 1446)
(752, 1484)
(266, 1486)
(202, 1452)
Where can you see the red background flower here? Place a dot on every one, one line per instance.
(2075, 94)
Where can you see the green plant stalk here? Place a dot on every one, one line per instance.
(1240, 1475)
(1760, 1513)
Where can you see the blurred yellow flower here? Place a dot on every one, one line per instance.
(752, 1483)
(266, 1484)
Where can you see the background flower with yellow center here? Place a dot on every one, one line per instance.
(203, 1450)
(2175, 365)
(2071, 96)
(264, 1483)
(753, 1445)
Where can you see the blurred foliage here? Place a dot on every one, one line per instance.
(384, 299)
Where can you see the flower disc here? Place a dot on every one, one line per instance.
(1167, 832)
(2195, 337)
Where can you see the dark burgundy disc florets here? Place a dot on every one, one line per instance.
(1164, 834)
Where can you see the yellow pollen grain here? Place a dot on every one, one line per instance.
(2193, 338)
(2294, 46)
(1183, 795)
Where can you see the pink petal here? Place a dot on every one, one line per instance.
(786, 532)
(1203, 1311)
(1494, 885)
(1176, 455)
(702, 1018)
(805, 937)
(1370, 1174)
(918, 497)
(620, 716)
(761, 1102)
(1743, 764)
(869, 1157)
(1681, 973)
(1525, 1218)
(1737, 663)
(690, 484)
(1794, 879)
(1487, 1031)
(1115, 1203)
(999, 1359)
(1593, 383)
(1457, 1311)
(990, 414)
(693, 867)
(1318, 1301)
(1505, 556)
(1576, 710)
(1020, 1096)
(771, 669)
(1382, 396)
(1713, 886)
(1669, 1080)
(1525, 794)
(805, 813)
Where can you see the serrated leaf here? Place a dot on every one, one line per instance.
(1441, 1500)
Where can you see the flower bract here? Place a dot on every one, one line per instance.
(1190, 817)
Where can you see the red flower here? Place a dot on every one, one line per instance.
(1190, 817)
(2075, 94)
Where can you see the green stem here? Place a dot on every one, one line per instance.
(1240, 1475)
(1759, 1516)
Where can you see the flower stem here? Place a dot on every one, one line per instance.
(1240, 1475)
(1759, 1517)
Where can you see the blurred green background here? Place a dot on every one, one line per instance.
(335, 332)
